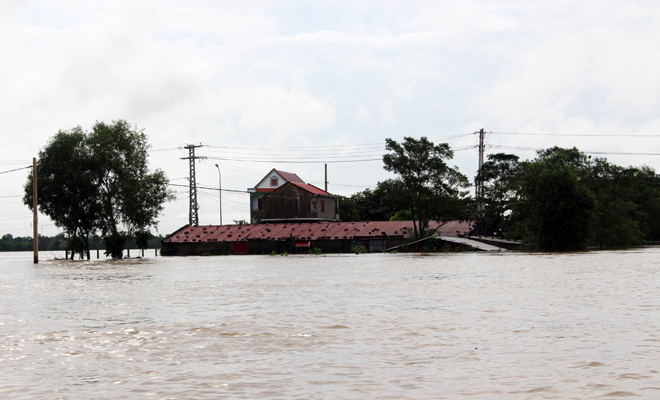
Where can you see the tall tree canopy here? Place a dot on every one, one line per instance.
(564, 200)
(99, 181)
(424, 183)
(557, 207)
(497, 176)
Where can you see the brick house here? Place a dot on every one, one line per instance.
(295, 201)
(273, 180)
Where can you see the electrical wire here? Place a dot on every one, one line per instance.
(495, 146)
(571, 134)
(294, 161)
(313, 148)
(12, 170)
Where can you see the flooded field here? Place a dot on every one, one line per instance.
(403, 326)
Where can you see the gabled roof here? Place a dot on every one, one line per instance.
(304, 186)
(311, 188)
(287, 176)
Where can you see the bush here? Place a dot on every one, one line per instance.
(315, 251)
(359, 249)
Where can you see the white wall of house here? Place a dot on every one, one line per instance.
(267, 183)
(272, 181)
(326, 207)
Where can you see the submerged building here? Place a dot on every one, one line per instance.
(282, 196)
(273, 180)
(292, 237)
(298, 202)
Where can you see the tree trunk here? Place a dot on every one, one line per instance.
(412, 211)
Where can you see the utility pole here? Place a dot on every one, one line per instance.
(219, 190)
(326, 177)
(193, 218)
(479, 186)
(35, 234)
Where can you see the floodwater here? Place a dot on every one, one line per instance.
(402, 326)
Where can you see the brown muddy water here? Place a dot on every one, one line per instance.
(403, 326)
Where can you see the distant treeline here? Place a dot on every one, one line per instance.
(60, 243)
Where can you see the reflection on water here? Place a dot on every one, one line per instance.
(489, 326)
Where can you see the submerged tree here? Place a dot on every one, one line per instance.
(99, 181)
(563, 200)
(425, 184)
(555, 209)
(66, 189)
(131, 197)
(498, 176)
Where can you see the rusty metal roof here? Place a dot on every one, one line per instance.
(289, 176)
(310, 188)
(311, 231)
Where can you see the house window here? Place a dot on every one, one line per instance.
(273, 181)
(260, 203)
(322, 206)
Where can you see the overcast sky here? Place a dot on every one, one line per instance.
(324, 80)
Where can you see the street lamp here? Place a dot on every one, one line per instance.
(219, 191)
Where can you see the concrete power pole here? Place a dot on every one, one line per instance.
(35, 219)
(193, 218)
(480, 187)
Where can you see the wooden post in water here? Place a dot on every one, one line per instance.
(97, 253)
(35, 233)
(142, 253)
(129, 252)
(155, 252)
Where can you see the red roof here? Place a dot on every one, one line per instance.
(288, 176)
(311, 231)
(310, 188)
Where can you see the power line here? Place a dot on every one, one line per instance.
(294, 161)
(496, 146)
(572, 134)
(10, 162)
(12, 170)
(306, 153)
(353, 146)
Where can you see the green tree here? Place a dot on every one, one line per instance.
(620, 221)
(66, 188)
(424, 181)
(99, 181)
(498, 177)
(370, 205)
(555, 210)
(647, 184)
(347, 210)
(131, 197)
(402, 215)
(142, 239)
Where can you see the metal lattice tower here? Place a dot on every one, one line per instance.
(193, 218)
